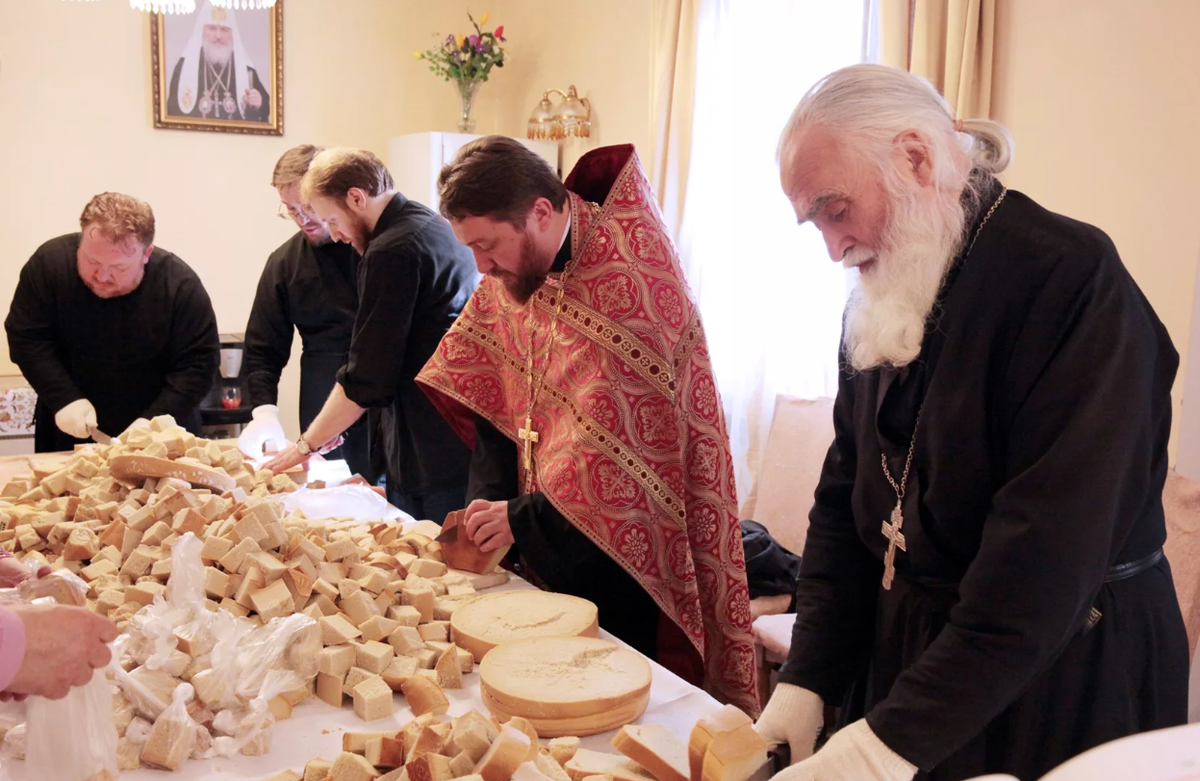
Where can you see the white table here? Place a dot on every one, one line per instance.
(315, 728)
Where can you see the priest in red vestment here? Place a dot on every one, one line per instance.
(580, 375)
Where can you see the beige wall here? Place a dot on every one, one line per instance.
(75, 91)
(1103, 97)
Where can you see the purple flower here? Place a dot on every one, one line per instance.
(474, 39)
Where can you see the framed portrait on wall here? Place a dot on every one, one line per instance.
(219, 69)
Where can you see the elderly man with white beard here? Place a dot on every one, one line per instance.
(214, 77)
(983, 588)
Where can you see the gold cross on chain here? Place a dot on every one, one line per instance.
(895, 540)
(528, 436)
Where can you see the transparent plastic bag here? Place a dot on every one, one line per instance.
(61, 585)
(86, 715)
(173, 737)
(244, 728)
(263, 649)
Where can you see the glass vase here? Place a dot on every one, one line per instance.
(466, 91)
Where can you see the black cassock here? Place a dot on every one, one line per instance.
(313, 290)
(235, 92)
(412, 282)
(1043, 387)
(151, 352)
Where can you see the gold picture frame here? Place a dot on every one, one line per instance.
(178, 44)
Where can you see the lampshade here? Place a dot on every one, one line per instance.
(575, 115)
(542, 124)
(243, 4)
(572, 117)
(164, 6)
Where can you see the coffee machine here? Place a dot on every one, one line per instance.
(225, 410)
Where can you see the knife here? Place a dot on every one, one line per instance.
(449, 535)
(99, 436)
(450, 527)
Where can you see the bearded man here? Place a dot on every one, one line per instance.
(308, 285)
(215, 78)
(580, 373)
(983, 588)
(413, 280)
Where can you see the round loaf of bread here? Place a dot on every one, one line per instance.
(492, 619)
(566, 685)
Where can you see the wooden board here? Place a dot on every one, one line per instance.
(137, 467)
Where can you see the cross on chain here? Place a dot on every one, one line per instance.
(529, 437)
(895, 537)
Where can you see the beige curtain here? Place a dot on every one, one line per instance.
(672, 98)
(948, 42)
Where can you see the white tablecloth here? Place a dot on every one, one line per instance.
(316, 728)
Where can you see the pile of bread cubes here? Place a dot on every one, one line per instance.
(721, 747)
(382, 599)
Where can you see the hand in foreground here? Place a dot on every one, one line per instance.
(63, 645)
(794, 716)
(854, 753)
(77, 419)
(487, 525)
(13, 573)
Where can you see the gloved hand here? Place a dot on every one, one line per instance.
(76, 419)
(793, 716)
(263, 428)
(854, 753)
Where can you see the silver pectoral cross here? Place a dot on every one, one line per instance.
(528, 436)
(891, 530)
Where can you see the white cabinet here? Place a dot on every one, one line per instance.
(416, 160)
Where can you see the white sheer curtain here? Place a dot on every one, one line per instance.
(770, 297)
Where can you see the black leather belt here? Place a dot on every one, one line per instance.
(1131, 568)
(1120, 572)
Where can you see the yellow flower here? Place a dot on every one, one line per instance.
(483, 17)
(417, 55)
(458, 41)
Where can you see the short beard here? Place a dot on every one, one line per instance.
(217, 55)
(522, 285)
(891, 304)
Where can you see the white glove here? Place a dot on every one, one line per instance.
(854, 753)
(264, 428)
(793, 716)
(76, 419)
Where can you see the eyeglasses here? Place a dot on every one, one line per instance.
(288, 213)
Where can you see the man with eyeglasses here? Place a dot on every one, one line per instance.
(309, 284)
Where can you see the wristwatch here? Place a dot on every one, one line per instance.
(303, 446)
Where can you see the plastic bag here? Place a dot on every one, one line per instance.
(86, 715)
(250, 727)
(264, 648)
(61, 585)
(174, 735)
(345, 501)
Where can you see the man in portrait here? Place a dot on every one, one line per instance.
(214, 77)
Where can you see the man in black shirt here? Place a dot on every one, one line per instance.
(413, 281)
(307, 285)
(108, 328)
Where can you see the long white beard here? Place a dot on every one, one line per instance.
(888, 309)
(217, 55)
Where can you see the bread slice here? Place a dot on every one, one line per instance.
(523, 724)
(654, 747)
(429, 767)
(734, 756)
(594, 763)
(351, 767)
(550, 766)
(508, 751)
(449, 672)
(728, 719)
(425, 696)
(562, 749)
